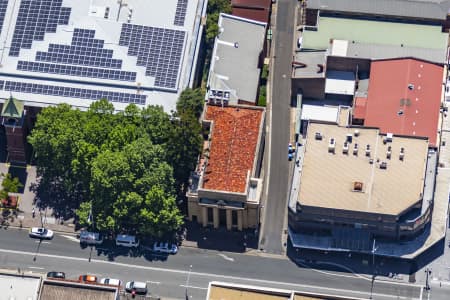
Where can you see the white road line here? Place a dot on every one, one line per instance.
(153, 282)
(38, 268)
(193, 287)
(421, 293)
(43, 242)
(71, 238)
(210, 275)
(226, 257)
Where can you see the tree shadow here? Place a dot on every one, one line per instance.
(20, 172)
(53, 195)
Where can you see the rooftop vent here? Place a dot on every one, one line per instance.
(318, 136)
(411, 86)
(367, 150)
(388, 154)
(236, 45)
(383, 165)
(358, 186)
(332, 145)
(402, 154)
(356, 133)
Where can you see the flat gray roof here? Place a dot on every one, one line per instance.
(310, 64)
(327, 179)
(427, 9)
(379, 51)
(236, 56)
(19, 287)
(59, 289)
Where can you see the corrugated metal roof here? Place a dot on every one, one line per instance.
(427, 9)
(378, 51)
(236, 55)
(404, 97)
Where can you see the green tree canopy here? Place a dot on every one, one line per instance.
(126, 167)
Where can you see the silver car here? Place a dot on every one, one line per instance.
(162, 247)
(41, 233)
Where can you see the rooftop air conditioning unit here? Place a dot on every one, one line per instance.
(389, 137)
(345, 148)
(402, 154)
(383, 165)
(318, 136)
(332, 145)
(367, 150)
(355, 149)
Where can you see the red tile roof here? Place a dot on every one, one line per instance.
(258, 10)
(404, 97)
(234, 138)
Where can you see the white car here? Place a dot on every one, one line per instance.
(111, 281)
(165, 248)
(41, 233)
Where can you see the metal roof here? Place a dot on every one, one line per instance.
(426, 9)
(79, 51)
(376, 32)
(236, 55)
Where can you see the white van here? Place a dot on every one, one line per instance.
(136, 286)
(127, 240)
(90, 238)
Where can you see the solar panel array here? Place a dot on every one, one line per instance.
(158, 49)
(64, 91)
(3, 6)
(34, 19)
(76, 71)
(84, 50)
(180, 12)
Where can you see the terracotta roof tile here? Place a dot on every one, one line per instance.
(233, 146)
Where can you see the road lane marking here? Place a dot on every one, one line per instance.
(421, 293)
(38, 268)
(355, 275)
(43, 242)
(71, 238)
(193, 287)
(154, 282)
(209, 275)
(226, 257)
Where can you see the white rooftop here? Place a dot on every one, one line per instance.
(340, 82)
(19, 287)
(320, 113)
(92, 49)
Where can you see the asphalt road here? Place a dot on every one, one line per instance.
(167, 277)
(278, 173)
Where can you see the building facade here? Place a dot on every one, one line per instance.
(225, 188)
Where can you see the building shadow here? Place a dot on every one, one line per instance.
(3, 152)
(220, 239)
(359, 263)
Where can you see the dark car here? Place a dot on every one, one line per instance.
(54, 274)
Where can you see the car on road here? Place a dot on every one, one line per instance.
(111, 281)
(137, 287)
(55, 274)
(87, 278)
(41, 233)
(90, 238)
(162, 247)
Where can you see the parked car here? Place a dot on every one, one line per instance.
(90, 238)
(165, 248)
(127, 240)
(87, 278)
(111, 281)
(55, 274)
(137, 287)
(41, 233)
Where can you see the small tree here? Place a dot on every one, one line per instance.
(9, 185)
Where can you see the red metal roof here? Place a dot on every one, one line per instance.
(258, 10)
(234, 138)
(404, 97)
(359, 109)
